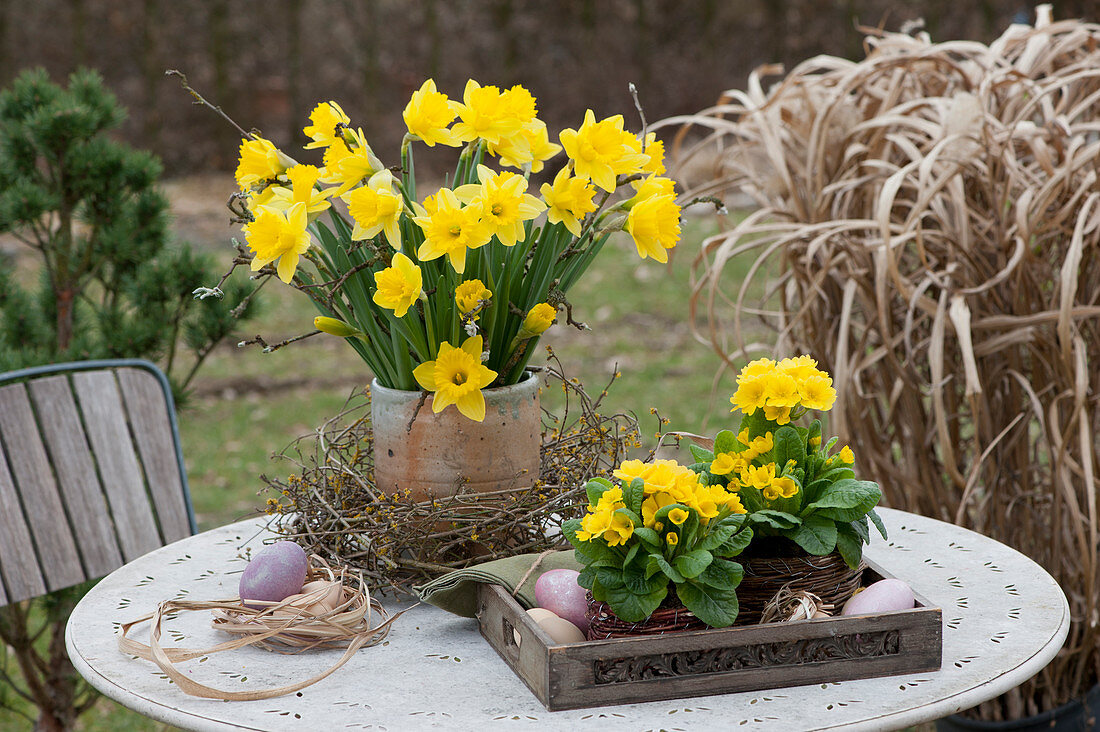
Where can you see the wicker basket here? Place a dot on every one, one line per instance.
(828, 577)
(670, 617)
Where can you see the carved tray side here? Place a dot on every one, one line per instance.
(714, 661)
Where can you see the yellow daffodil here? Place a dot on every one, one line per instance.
(653, 185)
(602, 150)
(530, 147)
(655, 149)
(485, 114)
(376, 207)
(654, 224)
(302, 189)
(539, 319)
(348, 165)
(450, 229)
(278, 235)
(335, 326)
(428, 115)
(469, 295)
(259, 161)
(327, 121)
(456, 376)
(398, 286)
(846, 455)
(569, 200)
(678, 516)
(505, 203)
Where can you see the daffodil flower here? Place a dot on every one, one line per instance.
(471, 294)
(428, 114)
(505, 203)
(569, 200)
(302, 189)
(327, 119)
(654, 225)
(486, 114)
(376, 207)
(277, 235)
(451, 229)
(456, 376)
(602, 150)
(259, 161)
(348, 165)
(398, 286)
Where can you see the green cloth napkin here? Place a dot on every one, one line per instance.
(456, 592)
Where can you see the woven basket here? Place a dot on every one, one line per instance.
(828, 577)
(670, 617)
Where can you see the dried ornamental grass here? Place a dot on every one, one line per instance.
(929, 229)
(332, 507)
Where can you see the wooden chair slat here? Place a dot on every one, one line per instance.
(63, 432)
(150, 421)
(105, 423)
(58, 558)
(20, 571)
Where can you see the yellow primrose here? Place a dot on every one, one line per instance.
(470, 296)
(755, 369)
(594, 523)
(621, 529)
(602, 150)
(779, 415)
(327, 122)
(457, 377)
(611, 499)
(450, 229)
(763, 443)
(780, 390)
(505, 203)
(759, 477)
(539, 318)
(846, 455)
(303, 189)
(628, 470)
(398, 286)
(799, 367)
(733, 503)
(259, 161)
(277, 235)
(817, 392)
(376, 207)
(654, 224)
(750, 396)
(672, 539)
(569, 200)
(348, 165)
(486, 114)
(428, 114)
(723, 463)
(678, 516)
(653, 504)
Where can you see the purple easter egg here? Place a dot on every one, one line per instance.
(275, 573)
(883, 596)
(557, 591)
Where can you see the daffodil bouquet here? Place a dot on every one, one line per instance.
(662, 524)
(791, 484)
(450, 292)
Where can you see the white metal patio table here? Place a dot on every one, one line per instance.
(1004, 618)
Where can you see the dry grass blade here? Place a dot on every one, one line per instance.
(929, 230)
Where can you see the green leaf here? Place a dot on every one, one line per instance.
(586, 577)
(631, 607)
(726, 441)
(691, 564)
(775, 519)
(860, 527)
(877, 522)
(817, 535)
(849, 545)
(596, 488)
(630, 554)
(736, 544)
(634, 494)
(638, 581)
(716, 536)
(649, 537)
(715, 607)
(667, 568)
(846, 500)
(722, 574)
(701, 454)
(789, 446)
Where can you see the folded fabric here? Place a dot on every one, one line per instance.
(456, 591)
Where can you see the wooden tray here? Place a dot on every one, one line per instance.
(714, 661)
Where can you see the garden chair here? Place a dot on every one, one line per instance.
(91, 477)
(91, 474)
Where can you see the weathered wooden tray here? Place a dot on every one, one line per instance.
(714, 661)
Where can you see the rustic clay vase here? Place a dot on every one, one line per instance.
(437, 455)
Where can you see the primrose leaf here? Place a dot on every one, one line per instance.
(634, 494)
(631, 607)
(817, 535)
(715, 607)
(725, 441)
(717, 536)
(789, 445)
(722, 574)
(736, 543)
(638, 582)
(667, 568)
(692, 564)
(701, 454)
(846, 500)
(649, 537)
(849, 545)
(877, 522)
(775, 519)
(596, 488)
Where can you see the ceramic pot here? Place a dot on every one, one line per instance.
(437, 455)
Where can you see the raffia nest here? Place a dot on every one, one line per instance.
(332, 507)
(929, 229)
